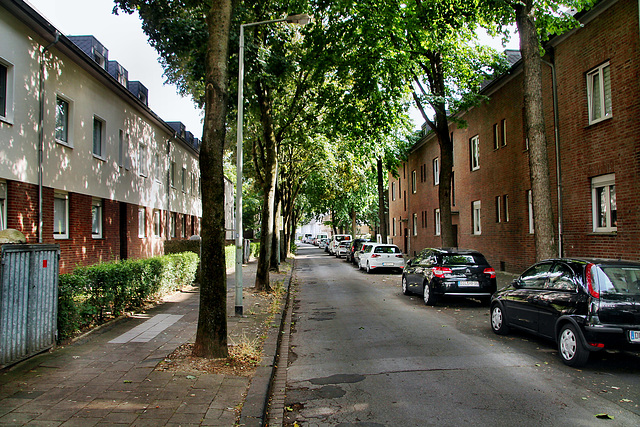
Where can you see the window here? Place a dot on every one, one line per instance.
(3, 205)
(603, 196)
(414, 182)
(393, 230)
(158, 165)
(123, 150)
(436, 171)
(530, 204)
(172, 173)
(498, 208)
(436, 221)
(172, 225)
(503, 132)
(96, 218)
(599, 93)
(535, 277)
(6, 91)
(505, 207)
(496, 137)
(453, 189)
(156, 223)
(184, 180)
(393, 191)
(142, 223)
(474, 145)
(415, 224)
(142, 159)
(98, 137)
(476, 217)
(60, 215)
(62, 121)
(183, 232)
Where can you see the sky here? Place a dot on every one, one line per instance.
(122, 35)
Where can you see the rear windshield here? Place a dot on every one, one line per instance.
(341, 238)
(386, 250)
(617, 279)
(459, 259)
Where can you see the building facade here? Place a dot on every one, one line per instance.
(84, 162)
(593, 146)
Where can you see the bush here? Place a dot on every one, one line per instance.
(93, 294)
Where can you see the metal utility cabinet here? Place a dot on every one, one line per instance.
(28, 300)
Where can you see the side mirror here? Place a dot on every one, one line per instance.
(516, 283)
(408, 263)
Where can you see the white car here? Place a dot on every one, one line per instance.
(335, 241)
(375, 256)
(342, 248)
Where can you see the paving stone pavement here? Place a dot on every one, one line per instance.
(108, 377)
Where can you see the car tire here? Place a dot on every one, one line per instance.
(405, 287)
(427, 295)
(570, 347)
(498, 321)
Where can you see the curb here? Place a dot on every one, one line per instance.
(254, 409)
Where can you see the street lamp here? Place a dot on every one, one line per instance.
(301, 19)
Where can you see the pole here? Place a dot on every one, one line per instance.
(239, 130)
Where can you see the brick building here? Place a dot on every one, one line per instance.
(595, 178)
(114, 180)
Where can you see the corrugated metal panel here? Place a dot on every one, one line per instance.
(28, 300)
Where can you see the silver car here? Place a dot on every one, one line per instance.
(378, 256)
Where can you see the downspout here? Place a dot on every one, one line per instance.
(41, 135)
(557, 143)
(167, 234)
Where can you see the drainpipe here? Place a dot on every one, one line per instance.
(41, 134)
(167, 234)
(557, 143)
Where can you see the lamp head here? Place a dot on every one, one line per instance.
(301, 19)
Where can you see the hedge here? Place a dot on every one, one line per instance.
(91, 295)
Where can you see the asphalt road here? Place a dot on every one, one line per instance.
(363, 354)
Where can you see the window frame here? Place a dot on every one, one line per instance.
(498, 209)
(6, 92)
(102, 133)
(184, 179)
(415, 224)
(505, 210)
(97, 205)
(183, 232)
(61, 195)
(436, 171)
(496, 137)
(532, 227)
(157, 223)
(476, 218)
(414, 181)
(503, 133)
(68, 125)
(599, 73)
(142, 222)
(474, 151)
(172, 175)
(436, 222)
(607, 182)
(173, 224)
(142, 159)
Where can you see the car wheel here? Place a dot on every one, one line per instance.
(498, 322)
(405, 288)
(427, 295)
(570, 347)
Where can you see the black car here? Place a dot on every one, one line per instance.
(584, 305)
(355, 246)
(449, 272)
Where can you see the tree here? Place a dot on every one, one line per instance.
(193, 41)
(535, 21)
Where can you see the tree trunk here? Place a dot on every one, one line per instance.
(535, 131)
(447, 237)
(274, 263)
(270, 168)
(211, 334)
(354, 224)
(382, 206)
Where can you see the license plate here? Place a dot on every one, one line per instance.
(469, 284)
(387, 264)
(634, 336)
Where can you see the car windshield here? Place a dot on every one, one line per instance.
(460, 259)
(386, 250)
(621, 280)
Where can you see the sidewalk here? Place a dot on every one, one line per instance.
(108, 377)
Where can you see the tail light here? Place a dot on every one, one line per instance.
(590, 287)
(441, 271)
(491, 272)
(375, 255)
(399, 256)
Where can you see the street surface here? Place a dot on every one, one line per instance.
(363, 354)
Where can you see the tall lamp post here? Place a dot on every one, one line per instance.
(301, 19)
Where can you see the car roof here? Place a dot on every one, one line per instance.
(599, 261)
(454, 251)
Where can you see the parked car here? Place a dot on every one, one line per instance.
(376, 256)
(323, 243)
(449, 272)
(584, 305)
(342, 248)
(335, 241)
(307, 238)
(354, 247)
(318, 238)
